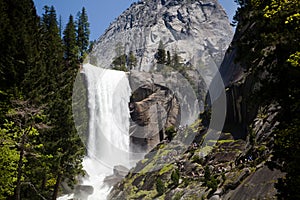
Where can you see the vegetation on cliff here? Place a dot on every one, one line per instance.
(270, 48)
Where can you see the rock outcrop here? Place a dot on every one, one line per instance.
(158, 102)
(198, 31)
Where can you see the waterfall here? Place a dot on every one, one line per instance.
(108, 140)
(108, 137)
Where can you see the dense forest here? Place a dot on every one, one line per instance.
(39, 145)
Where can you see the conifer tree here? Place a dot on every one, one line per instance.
(132, 61)
(69, 39)
(83, 32)
(161, 53)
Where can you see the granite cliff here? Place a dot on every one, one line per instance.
(196, 30)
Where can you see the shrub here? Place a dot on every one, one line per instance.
(160, 187)
(175, 177)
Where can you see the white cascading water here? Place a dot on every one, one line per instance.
(108, 138)
(108, 142)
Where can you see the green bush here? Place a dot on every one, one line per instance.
(175, 177)
(170, 132)
(160, 187)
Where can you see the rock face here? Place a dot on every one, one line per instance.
(198, 31)
(119, 172)
(159, 102)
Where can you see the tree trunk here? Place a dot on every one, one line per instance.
(56, 187)
(20, 164)
(159, 122)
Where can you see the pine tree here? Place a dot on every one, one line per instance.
(53, 49)
(132, 61)
(175, 61)
(83, 32)
(168, 62)
(17, 42)
(69, 39)
(161, 53)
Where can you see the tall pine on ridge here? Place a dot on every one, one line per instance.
(83, 32)
(69, 39)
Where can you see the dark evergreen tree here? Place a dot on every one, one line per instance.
(83, 32)
(161, 53)
(18, 42)
(53, 49)
(132, 61)
(175, 61)
(69, 39)
(168, 62)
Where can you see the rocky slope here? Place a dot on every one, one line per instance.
(232, 169)
(198, 31)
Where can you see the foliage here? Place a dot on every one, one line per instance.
(132, 61)
(269, 48)
(119, 63)
(8, 160)
(39, 145)
(175, 177)
(83, 32)
(212, 183)
(286, 158)
(69, 39)
(122, 61)
(160, 187)
(161, 54)
(170, 132)
(209, 180)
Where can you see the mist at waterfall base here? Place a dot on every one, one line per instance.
(108, 133)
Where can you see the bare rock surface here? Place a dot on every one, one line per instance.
(199, 31)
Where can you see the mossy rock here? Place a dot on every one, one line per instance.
(149, 181)
(166, 168)
(137, 181)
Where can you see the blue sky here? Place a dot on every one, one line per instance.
(102, 12)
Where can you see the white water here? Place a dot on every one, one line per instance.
(108, 138)
(108, 142)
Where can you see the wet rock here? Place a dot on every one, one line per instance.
(81, 192)
(119, 172)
